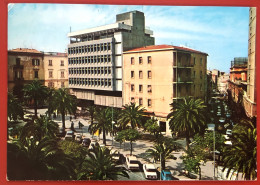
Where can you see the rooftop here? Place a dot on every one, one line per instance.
(25, 50)
(163, 47)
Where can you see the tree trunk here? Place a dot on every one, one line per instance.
(131, 149)
(104, 136)
(35, 108)
(187, 142)
(163, 164)
(63, 120)
(200, 174)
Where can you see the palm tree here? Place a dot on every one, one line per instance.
(49, 100)
(104, 122)
(38, 160)
(64, 103)
(188, 116)
(15, 109)
(91, 109)
(39, 128)
(35, 93)
(133, 115)
(99, 165)
(241, 156)
(163, 150)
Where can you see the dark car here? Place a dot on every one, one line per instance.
(86, 142)
(70, 135)
(61, 132)
(167, 175)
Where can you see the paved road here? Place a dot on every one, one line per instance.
(139, 148)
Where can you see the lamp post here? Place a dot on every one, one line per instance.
(212, 127)
(112, 126)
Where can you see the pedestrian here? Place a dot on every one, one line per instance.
(72, 126)
(79, 124)
(70, 118)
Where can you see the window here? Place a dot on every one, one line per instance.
(140, 88)
(140, 60)
(200, 61)
(62, 74)
(50, 62)
(149, 59)
(50, 74)
(132, 60)
(62, 85)
(194, 62)
(62, 63)
(140, 101)
(35, 62)
(149, 88)
(18, 60)
(35, 74)
(132, 74)
(149, 102)
(149, 74)
(132, 99)
(140, 74)
(194, 74)
(132, 87)
(201, 74)
(50, 84)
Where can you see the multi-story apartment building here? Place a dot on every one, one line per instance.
(24, 66)
(223, 82)
(56, 69)
(155, 75)
(95, 58)
(250, 95)
(238, 77)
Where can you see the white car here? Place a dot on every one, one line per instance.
(132, 163)
(115, 154)
(150, 171)
(78, 138)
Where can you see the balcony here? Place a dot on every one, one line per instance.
(184, 80)
(17, 67)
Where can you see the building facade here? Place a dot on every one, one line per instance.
(95, 58)
(238, 78)
(250, 95)
(56, 70)
(24, 66)
(155, 75)
(223, 80)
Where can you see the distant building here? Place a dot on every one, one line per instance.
(250, 95)
(238, 78)
(56, 70)
(223, 80)
(95, 58)
(155, 75)
(24, 66)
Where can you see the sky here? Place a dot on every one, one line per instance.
(222, 32)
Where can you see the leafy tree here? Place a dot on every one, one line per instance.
(192, 164)
(98, 165)
(163, 150)
(129, 135)
(133, 115)
(120, 137)
(104, 122)
(152, 126)
(35, 93)
(39, 128)
(188, 116)
(64, 103)
(15, 109)
(38, 160)
(241, 156)
(49, 101)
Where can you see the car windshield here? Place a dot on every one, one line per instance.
(134, 162)
(151, 170)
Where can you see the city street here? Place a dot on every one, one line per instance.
(139, 148)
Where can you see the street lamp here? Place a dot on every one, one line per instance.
(212, 127)
(112, 125)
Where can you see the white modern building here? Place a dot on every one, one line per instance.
(95, 60)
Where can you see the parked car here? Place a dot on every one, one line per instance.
(115, 155)
(78, 138)
(86, 142)
(167, 175)
(61, 132)
(132, 163)
(70, 135)
(150, 171)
